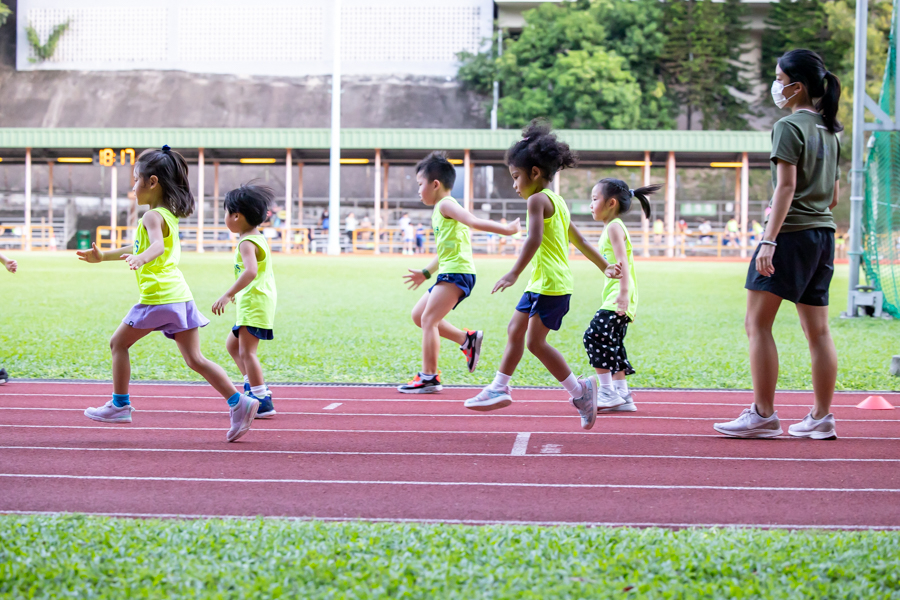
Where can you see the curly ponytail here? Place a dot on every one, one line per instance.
(539, 147)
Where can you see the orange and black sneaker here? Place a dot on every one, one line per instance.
(472, 348)
(421, 385)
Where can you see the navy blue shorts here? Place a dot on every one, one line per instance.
(464, 281)
(263, 334)
(551, 309)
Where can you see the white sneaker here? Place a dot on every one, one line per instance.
(751, 425)
(608, 398)
(110, 413)
(587, 403)
(490, 399)
(821, 429)
(626, 406)
(242, 415)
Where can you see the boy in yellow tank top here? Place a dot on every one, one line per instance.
(253, 290)
(533, 162)
(455, 270)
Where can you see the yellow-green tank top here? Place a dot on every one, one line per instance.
(551, 274)
(454, 248)
(160, 281)
(612, 286)
(256, 302)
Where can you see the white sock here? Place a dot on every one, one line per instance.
(427, 375)
(573, 386)
(246, 379)
(501, 381)
(605, 379)
(259, 390)
(621, 386)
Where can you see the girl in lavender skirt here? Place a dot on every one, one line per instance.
(166, 304)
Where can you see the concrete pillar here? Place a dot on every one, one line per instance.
(288, 202)
(113, 204)
(467, 180)
(745, 201)
(52, 242)
(201, 190)
(26, 239)
(645, 222)
(556, 183)
(384, 191)
(300, 194)
(377, 217)
(215, 193)
(670, 205)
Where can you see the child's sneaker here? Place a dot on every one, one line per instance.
(587, 403)
(247, 387)
(110, 413)
(751, 425)
(266, 408)
(817, 429)
(626, 406)
(422, 386)
(4, 376)
(242, 415)
(490, 398)
(607, 398)
(472, 348)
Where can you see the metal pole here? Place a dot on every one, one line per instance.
(467, 180)
(856, 171)
(288, 202)
(27, 233)
(745, 201)
(489, 170)
(670, 205)
(50, 205)
(114, 204)
(216, 193)
(201, 191)
(334, 184)
(377, 217)
(645, 222)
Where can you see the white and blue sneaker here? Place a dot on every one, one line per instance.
(247, 387)
(266, 408)
(490, 398)
(110, 413)
(587, 402)
(242, 415)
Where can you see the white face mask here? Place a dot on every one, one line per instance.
(778, 93)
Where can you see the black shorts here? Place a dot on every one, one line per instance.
(257, 332)
(604, 341)
(804, 265)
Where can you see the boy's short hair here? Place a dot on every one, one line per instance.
(436, 167)
(252, 201)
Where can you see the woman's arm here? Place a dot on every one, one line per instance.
(251, 268)
(452, 210)
(620, 252)
(786, 174)
(153, 223)
(837, 191)
(537, 205)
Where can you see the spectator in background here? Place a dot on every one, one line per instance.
(420, 239)
(659, 228)
(350, 225)
(366, 223)
(756, 231)
(731, 232)
(705, 230)
(406, 231)
(324, 220)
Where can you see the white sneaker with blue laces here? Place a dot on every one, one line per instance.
(110, 413)
(242, 415)
(490, 398)
(587, 403)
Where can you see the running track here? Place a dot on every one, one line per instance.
(369, 453)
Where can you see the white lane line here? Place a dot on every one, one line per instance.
(127, 427)
(520, 446)
(133, 515)
(470, 415)
(553, 450)
(501, 484)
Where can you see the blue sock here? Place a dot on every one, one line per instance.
(120, 400)
(232, 402)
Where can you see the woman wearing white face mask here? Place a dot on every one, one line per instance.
(795, 257)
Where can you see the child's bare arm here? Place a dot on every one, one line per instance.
(153, 223)
(452, 210)
(617, 240)
(578, 240)
(251, 267)
(416, 277)
(9, 263)
(537, 204)
(96, 255)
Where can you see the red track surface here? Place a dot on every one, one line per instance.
(371, 453)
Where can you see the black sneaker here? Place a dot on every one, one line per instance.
(266, 408)
(4, 376)
(422, 386)
(472, 348)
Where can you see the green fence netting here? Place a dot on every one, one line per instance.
(881, 209)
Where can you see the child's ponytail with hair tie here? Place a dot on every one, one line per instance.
(166, 149)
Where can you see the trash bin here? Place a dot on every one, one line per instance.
(83, 239)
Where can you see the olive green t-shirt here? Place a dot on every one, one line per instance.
(802, 139)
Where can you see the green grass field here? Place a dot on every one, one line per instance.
(81, 557)
(347, 319)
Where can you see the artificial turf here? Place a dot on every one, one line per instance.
(97, 557)
(346, 319)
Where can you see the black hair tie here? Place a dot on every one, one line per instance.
(165, 148)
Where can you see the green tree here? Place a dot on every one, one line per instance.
(702, 61)
(584, 64)
(5, 14)
(800, 24)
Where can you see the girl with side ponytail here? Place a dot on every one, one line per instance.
(605, 336)
(795, 257)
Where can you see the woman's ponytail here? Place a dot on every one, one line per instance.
(828, 103)
(641, 194)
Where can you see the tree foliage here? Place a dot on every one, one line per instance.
(45, 51)
(5, 14)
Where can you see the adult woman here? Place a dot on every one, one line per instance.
(795, 257)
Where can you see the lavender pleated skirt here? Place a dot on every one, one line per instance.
(168, 318)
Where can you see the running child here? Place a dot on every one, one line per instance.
(604, 339)
(253, 291)
(166, 304)
(11, 266)
(533, 162)
(456, 267)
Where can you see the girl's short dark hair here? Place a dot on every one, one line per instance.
(252, 201)
(171, 171)
(807, 67)
(618, 189)
(539, 147)
(436, 167)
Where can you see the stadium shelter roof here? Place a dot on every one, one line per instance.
(595, 147)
